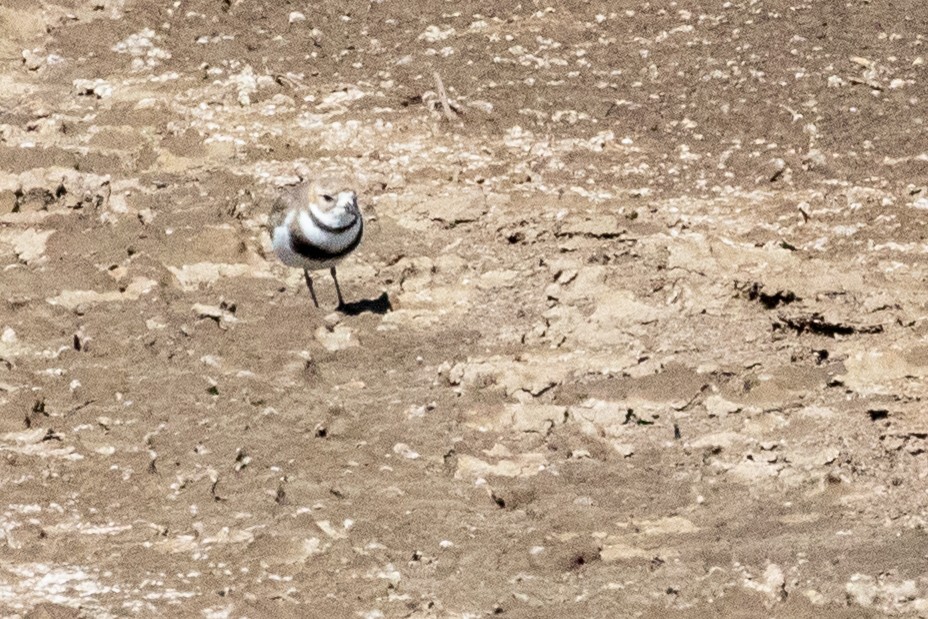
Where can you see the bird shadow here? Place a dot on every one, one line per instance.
(381, 305)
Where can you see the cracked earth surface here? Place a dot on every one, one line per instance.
(657, 344)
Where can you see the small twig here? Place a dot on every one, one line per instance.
(443, 97)
(80, 406)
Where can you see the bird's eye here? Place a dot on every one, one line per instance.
(327, 197)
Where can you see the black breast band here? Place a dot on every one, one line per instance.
(309, 251)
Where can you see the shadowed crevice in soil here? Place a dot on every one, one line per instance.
(818, 325)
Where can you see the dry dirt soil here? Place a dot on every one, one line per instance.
(639, 327)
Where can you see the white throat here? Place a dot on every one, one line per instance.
(335, 218)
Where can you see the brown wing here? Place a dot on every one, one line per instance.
(287, 198)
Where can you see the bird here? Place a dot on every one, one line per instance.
(314, 228)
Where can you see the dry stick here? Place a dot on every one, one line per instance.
(443, 97)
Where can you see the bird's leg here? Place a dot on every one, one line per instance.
(338, 291)
(309, 284)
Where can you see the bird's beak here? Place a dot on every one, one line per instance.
(350, 200)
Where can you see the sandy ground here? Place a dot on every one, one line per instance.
(653, 343)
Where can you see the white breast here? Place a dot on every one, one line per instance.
(333, 243)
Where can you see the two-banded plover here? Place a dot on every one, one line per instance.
(313, 228)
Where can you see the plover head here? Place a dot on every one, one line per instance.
(340, 208)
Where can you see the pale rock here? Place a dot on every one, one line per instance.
(691, 252)
(219, 314)
(862, 590)
(773, 583)
(814, 159)
(227, 536)
(331, 320)
(530, 379)
(670, 525)
(443, 299)
(600, 417)
(498, 451)
(561, 322)
(511, 376)
(536, 417)
(32, 442)
(178, 544)
(717, 406)
(326, 527)
(588, 283)
(877, 302)
(753, 470)
(496, 280)
(567, 276)
(154, 324)
(496, 200)
(169, 163)
(617, 314)
(33, 59)
(718, 440)
(612, 553)
(815, 597)
(560, 264)
(402, 449)
(29, 244)
(522, 465)
(450, 264)
(553, 292)
(276, 549)
(390, 573)
(858, 197)
(25, 437)
(71, 299)
(626, 450)
(101, 89)
(117, 273)
(223, 149)
(816, 456)
(521, 417)
(340, 338)
(9, 344)
(816, 412)
(484, 106)
(872, 371)
(191, 276)
(9, 187)
(608, 418)
(396, 181)
(79, 188)
(434, 34)
(409, 318)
